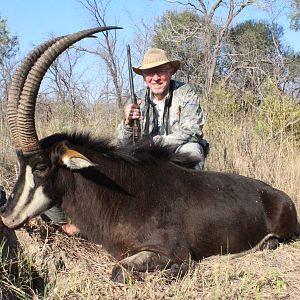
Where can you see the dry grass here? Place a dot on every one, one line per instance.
(76, 269)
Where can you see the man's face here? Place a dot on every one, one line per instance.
(158, 79)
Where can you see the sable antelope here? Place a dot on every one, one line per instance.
(147, 211)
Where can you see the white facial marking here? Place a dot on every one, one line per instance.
(28, 185)
(24, 209)
(37, 205)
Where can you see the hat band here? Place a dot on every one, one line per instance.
(153, 64)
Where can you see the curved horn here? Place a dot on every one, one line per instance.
(25, 121)
(17, 84)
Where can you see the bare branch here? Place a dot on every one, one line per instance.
(186, 4)
(213, 8)
(107, 50)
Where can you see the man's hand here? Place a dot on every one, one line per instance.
(132, 112)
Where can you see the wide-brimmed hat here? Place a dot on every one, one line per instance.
(155, 57)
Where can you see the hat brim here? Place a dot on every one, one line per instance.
(174, 63)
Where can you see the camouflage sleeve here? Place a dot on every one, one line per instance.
(191, 121)
(123, 133)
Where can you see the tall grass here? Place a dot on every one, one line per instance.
(254, 141)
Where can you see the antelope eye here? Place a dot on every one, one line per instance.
(41, 167)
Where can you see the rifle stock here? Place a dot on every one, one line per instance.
(136, 128)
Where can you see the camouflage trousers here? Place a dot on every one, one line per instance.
(196, 151)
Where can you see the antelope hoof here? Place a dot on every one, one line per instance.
(120, 275)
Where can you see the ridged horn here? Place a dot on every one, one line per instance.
(26, 109)
(17, 84)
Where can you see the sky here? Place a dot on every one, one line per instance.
(33, 21)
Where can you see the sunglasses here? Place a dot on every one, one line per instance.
(159, 71)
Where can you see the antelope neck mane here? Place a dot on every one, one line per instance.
(142, 152)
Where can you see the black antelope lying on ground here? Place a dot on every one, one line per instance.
(147, 211)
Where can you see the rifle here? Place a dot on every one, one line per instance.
(136, 128)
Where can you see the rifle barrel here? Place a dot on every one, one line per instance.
(136, 127)
(133, 97)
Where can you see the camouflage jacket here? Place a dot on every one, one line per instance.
(183, 118)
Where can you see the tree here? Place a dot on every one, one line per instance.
(253, 52)
(64, 81)
(295, 15)
(181, 34)
(213, 39)
(8, 49)
(107, 50)
(291, 84)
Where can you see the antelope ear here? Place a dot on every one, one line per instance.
(75, 160)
